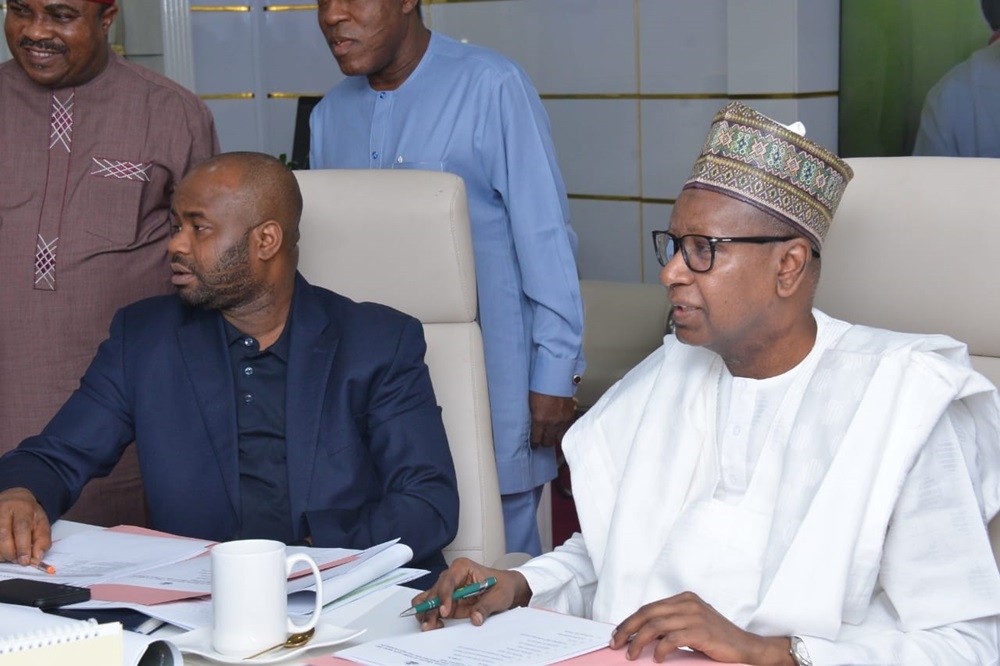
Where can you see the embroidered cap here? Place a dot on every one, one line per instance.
(754, 159)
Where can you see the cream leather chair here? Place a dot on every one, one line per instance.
(914, 247)
(623, 323)
(402, 238)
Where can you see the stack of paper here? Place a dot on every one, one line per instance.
(170, 578)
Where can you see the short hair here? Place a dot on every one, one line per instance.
(271, 190)
(774, 226)
(991, 12)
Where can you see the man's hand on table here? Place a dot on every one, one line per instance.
(510, 590)
(686, 620)
(25, 533)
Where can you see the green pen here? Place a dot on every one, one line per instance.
(460, 593)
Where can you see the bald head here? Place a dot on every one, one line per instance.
(263, 188)
(235, 228)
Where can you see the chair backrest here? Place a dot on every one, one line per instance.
(913, 248)
(623, 323)
(402, 238)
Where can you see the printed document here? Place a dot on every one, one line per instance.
(518, 637)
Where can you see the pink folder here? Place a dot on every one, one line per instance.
(602, 657)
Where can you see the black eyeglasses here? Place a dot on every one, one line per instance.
(699, 251)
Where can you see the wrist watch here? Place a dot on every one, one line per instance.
(799, 652)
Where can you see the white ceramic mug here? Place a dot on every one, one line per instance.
(250, 597)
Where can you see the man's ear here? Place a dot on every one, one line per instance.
(792, 269)
(269, 236)
(108, 17)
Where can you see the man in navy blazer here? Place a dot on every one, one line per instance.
(261, 406)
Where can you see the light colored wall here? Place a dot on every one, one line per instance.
(631, 87)
(253, 59)
(138, 32)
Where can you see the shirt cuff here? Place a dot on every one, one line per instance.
(556, 376)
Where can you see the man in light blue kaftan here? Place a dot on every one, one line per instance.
(417, 100)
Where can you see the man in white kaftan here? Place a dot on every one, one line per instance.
(856, 522)
(774, 486)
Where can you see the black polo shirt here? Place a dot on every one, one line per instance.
(259, 378)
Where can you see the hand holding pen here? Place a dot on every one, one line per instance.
(460, 593)
(42, 566)
(25, 533)
(469, 590)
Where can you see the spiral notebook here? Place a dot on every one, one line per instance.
(29, 637)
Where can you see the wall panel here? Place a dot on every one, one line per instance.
(630, 87)
(566, 46)
(610, 239)
(607, 161)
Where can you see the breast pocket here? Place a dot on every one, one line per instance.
(113, 197)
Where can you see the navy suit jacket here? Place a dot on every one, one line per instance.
(367, 455)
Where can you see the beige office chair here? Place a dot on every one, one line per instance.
(624, 322)
(402, 238)
(914, 248)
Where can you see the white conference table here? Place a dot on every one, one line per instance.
(376, 613)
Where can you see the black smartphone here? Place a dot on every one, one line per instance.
(40, 593)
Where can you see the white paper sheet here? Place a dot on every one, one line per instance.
(519, 637)
(195, 575)
(96, 556)
(359, 578)
(350, 577)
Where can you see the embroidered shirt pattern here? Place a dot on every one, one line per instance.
(121, 170)
(61, 123)
(45, 263)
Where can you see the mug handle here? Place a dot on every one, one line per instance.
(290, 561)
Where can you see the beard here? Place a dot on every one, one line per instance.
(228, 285)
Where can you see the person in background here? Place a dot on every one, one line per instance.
(91, 148)
(774, 486)
(261, 406)
(420, 100)
(961, 114)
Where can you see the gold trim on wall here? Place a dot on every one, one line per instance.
(622, 198)
(220, 8)
(288, 8)
(661, 96)
(806, 95)
(292, 95)
(242, 95)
